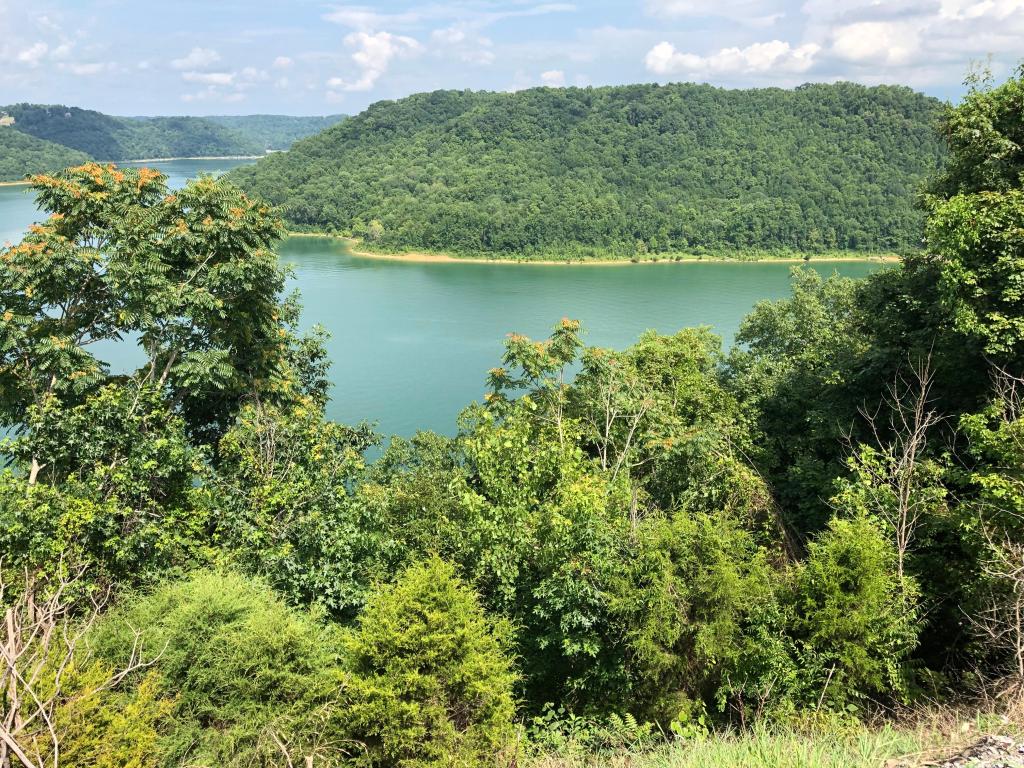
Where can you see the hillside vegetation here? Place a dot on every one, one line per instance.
(769, 557)
(41, 134)
(275, 131)
(619, 170)
(105, 137)
(21, 154)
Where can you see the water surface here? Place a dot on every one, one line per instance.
(411, 342)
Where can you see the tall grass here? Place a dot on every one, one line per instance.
(911, 744)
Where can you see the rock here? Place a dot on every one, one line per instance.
(986, 752)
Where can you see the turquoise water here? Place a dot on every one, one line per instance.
(411, 343)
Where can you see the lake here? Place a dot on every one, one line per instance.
(411, 342)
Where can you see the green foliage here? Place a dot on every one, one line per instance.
(111, 729)
(429, 680)
(246, 673)
(797, 372)
(855, 621)
(274, 131)
(107, 138)
(282, 504)
(985, 137)
(558, 732)
(190, 275)
(978, 238)
(21, 155)
(642, 169)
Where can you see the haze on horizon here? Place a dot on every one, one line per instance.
(232, 57)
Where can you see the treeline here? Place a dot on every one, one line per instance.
(618, 171)
(108, 138)
(824, 524)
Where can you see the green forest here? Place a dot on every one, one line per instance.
(617, 171)
(108, 138)
(275, 132)
(659, 549)
(22, 154)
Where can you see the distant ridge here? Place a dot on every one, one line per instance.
(119, 139)
(620, 170)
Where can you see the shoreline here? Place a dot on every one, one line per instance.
(197, 157)
(422, 257)
(153, 160)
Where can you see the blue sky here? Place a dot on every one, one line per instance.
(301, 57)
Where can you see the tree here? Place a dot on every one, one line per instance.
(429, 679)
(855, 620)
(190, 276)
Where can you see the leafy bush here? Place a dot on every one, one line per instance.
(250, 677)
(855, 622)
(429, 680)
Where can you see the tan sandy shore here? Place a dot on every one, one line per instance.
(13, 183)
(420, 257)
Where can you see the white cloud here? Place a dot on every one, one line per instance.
(197, 58)
(774, 56)
(282, 62)
(368, 19)
(86, 70)
(209, 78)
(748, 12)
(365, 18)
(462, 42)
(374, 53)
(62, 51)
(554, 78)
(449, 35)
(879, 42)
(33, 54)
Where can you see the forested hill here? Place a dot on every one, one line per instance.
(21, 154)
(618, 170)
(275, 131)
(106, 137)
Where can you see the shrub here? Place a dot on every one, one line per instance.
(855, 621)
(429, 682)
(250, 676)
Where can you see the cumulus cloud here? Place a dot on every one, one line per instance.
(554, 78)
(878, 42)
(373, 54)
(33, 54)
(197, 58)
(209, 78)
(774, 56)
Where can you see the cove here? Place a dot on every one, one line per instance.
(411, 342)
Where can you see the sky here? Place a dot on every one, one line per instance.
(299, 57)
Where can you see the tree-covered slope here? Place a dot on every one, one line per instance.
(21, 154)
(620, 169)
(275, 131)
(105, 137)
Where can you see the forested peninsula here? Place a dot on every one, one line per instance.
(618, 172)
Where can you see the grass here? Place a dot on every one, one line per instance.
(916, 742)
